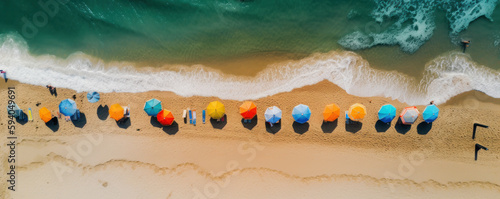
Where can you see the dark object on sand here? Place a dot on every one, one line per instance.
(475, 126)
(74, 97)
(479, 147)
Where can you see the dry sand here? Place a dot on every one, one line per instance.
(96, 158)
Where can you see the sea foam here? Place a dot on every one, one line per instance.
(444, 77)
(414, 22)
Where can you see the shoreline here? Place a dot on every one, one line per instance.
(447, 146)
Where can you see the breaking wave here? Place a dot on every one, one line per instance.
(443, 78)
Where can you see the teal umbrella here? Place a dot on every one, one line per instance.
(387, 113)
(430, 113)
(152, 107)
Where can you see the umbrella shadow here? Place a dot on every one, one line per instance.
(219, 124)
(402, 128)
(103, 112)
(423, 128)
(353, 126)
(382, 126)
(273, 129)
(300, 128)
(80, 123)
(329, 127)
(172, 129)
(250, 125)
(22, 121)
(124, 123)
(155, 122)
(53, 124)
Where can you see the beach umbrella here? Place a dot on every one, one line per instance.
(387, 113)
(272, 114)
(331, 112)
(45, 114)
(301, 113)
(67, 107)
(152, 107)
(216, 110)
(409, 115)
(356, 112)
(116, 112)
(93, 96)
(13, 110)
(248, 110)
(165, 117)
(430, 113)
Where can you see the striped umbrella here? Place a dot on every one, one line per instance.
(409, 115)
(165, 117)
(93, 96)
(248, 110)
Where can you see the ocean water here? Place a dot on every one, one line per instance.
(232, 49)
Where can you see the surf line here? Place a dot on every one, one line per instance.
(11, 141)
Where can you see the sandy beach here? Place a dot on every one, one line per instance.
(230, 160)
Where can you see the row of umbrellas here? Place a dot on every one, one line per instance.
(301, 113)
(409, 115)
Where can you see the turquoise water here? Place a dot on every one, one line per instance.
(409, 46)
(190, 31)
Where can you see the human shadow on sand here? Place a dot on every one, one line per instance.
(219, 124)
(80, 123)
(53, 124)
(423, 128)
(124, 123)
(353, 126)
(329, 127)
(103, 112)
(402, 128)
(382, 126)
(250, 125)
(273, 129)
(300, 128)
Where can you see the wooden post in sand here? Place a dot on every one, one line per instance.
(474, 130)
(479, 147)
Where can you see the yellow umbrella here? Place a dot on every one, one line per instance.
(216, 110)
(331, 112)
(116, 112)
(45, 114)
(357, 112)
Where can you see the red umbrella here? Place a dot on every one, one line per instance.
(248, 110)
(165, 117)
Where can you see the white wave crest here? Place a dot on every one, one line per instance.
(444, 77)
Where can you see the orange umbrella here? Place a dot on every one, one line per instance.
(248, 110)
(165, 117)
(331, 112)
(45, 114)
(357, 112)
(116, 112)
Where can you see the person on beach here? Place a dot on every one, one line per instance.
(432, 102)
(51, 89)
(465, 44)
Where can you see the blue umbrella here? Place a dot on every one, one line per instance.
(387, 113)
(301, 113)
(152, 107)
(430, 113)
(272, 114)
(67, 107)
(93, 97)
